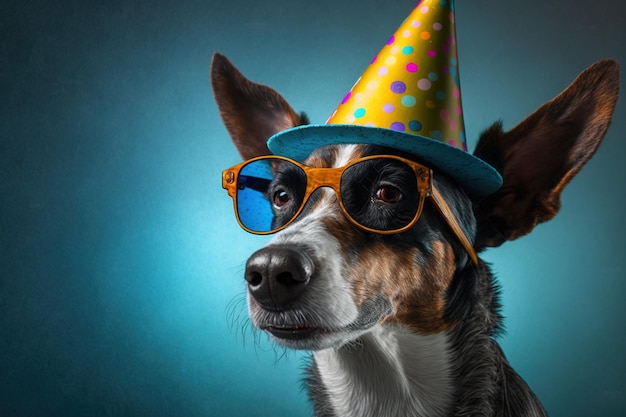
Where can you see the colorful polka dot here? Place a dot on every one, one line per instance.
(425, 35)
(390, 61)
(408, 100)
(424, 84)
(372, 85)
(440, 95)
(399, 126)
(415, 126)
(388, 108)
(395, 49)
(347, 97)
(359, 97)
(437, 26)
(416, 23)
(382, 71)
(424, 9)
(411, 67)
(360, 112)
(433, 76)
(432, 53)
(391, 40)
(407, 50)
(407, 33)
(437, 134)
(398, 87)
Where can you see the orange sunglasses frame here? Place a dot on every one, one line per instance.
(331, 178)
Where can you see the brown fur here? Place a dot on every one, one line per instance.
(250, 110)
(415, 282)
(540, 156)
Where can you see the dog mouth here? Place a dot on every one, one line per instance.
(309, 335)
(294, 332)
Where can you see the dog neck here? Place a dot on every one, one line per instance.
(388, 372)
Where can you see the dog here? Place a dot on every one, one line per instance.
(403, 324)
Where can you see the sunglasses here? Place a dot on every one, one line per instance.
(381, 194)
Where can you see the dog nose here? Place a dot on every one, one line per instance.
(277, 275)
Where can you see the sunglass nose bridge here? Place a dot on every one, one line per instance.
(323, 177)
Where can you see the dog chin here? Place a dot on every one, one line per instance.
(314, 338)
(317, 337)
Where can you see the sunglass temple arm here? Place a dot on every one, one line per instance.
(445, 211)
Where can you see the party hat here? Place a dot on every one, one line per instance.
(409, 99)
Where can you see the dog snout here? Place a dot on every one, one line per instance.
(278, 275)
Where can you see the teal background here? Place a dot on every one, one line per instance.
(121, 290)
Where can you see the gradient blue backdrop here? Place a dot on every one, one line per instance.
(120, 259)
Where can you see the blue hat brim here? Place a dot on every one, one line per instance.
(478, 178)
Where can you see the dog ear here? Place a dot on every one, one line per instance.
(251, 112)
(542, 154)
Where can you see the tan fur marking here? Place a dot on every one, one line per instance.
(418, 292)
(316, 161)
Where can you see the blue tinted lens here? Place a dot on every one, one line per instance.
(269, 193)
(253, 205)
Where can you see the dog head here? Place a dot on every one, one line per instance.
(332, 271)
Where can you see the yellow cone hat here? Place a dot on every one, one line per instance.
(412, 84)
(409, 99)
